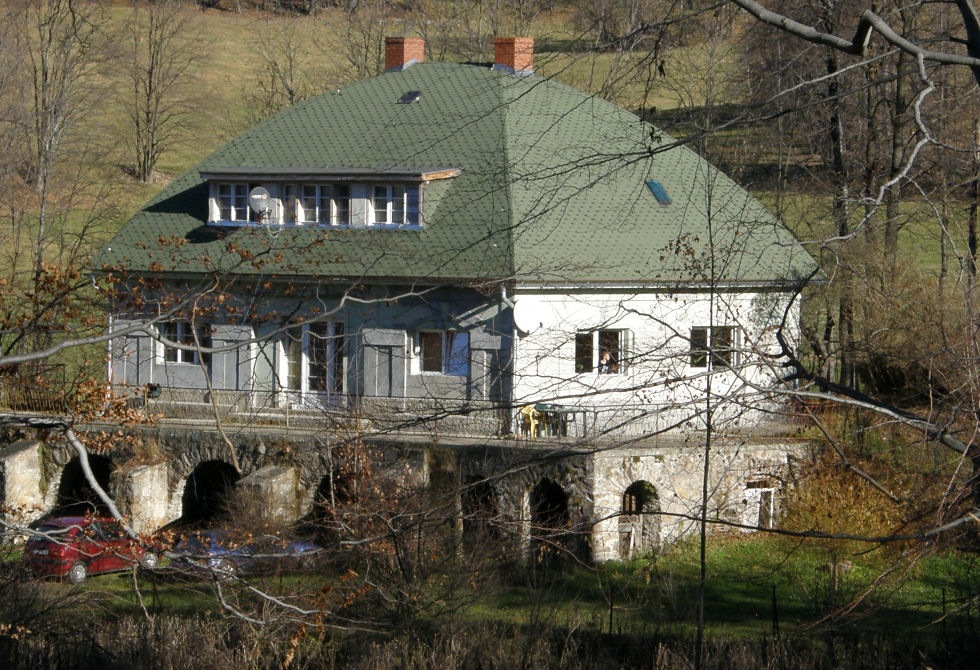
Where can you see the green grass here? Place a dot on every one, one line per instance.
(118, 594)
(746, 578)
(878, 591)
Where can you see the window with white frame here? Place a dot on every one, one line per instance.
(291, 204)
(395, 205)
(444, 351)
(188, 347)
(314, 356)
(232, 200)
(714, 347)
(322, 203)
(602, 351)
(319, 203)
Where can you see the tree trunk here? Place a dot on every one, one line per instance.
(893, 198)
(845, 315)
(974, 201)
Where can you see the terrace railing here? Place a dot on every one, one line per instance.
(35, 388)
(544, 422)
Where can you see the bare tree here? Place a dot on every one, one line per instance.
(513, 17)
(160, 52)
(58, 41)
(870, 23)
(55, 204)
(287, 76)
(367, 22)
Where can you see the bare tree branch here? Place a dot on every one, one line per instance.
(870, 23)
(832, 390)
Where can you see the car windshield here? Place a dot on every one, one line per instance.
(197, 542)
(53, 529)
(46, 529)
(189, 544)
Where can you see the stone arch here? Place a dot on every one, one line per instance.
(639, 520)
(550, 520)
(208, 492)
(480, 513)
(334, 492)
(75, 492)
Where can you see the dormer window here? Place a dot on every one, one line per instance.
(233, 202)
(350, 197)
(321, 203)
(395, 205)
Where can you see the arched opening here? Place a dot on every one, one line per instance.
(75, 493)
(478, 504)
(760, 505)
(639, 520)
(549, 521)
(334, 497)
(207, 493)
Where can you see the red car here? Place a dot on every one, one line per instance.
(74, 547)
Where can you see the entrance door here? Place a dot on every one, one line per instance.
(314, 364)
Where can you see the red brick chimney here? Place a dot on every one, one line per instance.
(514, 54)
(401, 52)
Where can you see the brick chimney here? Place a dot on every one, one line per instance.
(514, 55)
(402, 52)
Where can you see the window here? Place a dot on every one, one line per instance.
(444, 351)
(395, 205)
(314, 361)
(291, 201)
(182, 333)
(309, 200)
(325, 349)
(233, 202)
(323, 203)
(338, 203)
(659, 192)
(719, 342)
(602, 351)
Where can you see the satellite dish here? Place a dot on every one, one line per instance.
(259, 201)
(527, 317)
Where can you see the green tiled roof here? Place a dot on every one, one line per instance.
(551, 189)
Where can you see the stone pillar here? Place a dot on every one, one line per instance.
(605, 532)
(144, 496)
(271, 493)
(21, 481)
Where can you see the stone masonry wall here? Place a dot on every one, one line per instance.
(284, 471)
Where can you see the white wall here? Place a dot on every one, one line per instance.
(658, 377)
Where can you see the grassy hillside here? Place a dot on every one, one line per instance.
(232, 52)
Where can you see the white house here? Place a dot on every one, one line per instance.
(450, 248)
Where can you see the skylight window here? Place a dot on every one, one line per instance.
(409, 97)
(659, 192)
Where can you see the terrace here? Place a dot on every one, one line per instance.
(45, 391)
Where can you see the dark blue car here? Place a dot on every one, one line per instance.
(226, 553)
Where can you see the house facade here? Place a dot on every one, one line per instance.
(458, 249)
